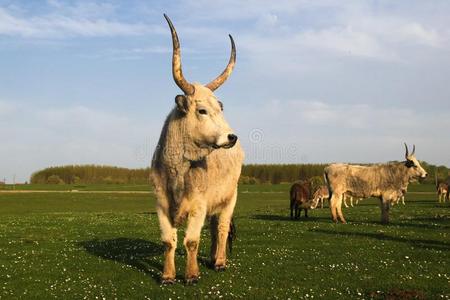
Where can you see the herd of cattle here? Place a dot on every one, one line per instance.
(197, 164)
(388, 182)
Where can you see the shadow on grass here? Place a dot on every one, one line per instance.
(433, 244)
(270, 217)
(137, 253)
(435, 226)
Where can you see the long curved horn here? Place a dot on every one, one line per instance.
(216, 83)
(182, 83)
(414, 150)
(406, 154)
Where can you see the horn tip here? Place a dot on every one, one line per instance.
(167, 18)
(231, 38)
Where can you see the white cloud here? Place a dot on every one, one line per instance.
(60, 26)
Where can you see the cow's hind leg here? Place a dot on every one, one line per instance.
(385, 205)
(297, 211)
(169, 239)
(214, 229)
(223, 228)
(335, 206)
(292, 209)
(196, 218)
(339, 210)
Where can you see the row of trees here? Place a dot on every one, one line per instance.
(251, 174)
(89, 174)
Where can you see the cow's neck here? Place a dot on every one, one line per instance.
(178, 152)
(406, 176)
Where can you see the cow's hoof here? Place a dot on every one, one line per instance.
(168, 281)
(220, 268)
(191, 280)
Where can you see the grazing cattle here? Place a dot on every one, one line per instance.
(400, 197)
(321, 194)
(300, 198)
(195, 169)
(384, 181)
(442, 189)
(347, 196)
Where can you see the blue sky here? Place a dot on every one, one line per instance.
(315, 81)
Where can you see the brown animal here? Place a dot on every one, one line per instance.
(385, 181)
(300, 198)
(442, 190)
(195, 169)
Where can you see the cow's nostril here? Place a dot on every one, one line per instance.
(232, 138)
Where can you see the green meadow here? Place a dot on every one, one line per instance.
(95, 242)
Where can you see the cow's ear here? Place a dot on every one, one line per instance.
(409, 163)
(182, 103)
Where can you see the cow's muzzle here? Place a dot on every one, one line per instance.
(232, 139)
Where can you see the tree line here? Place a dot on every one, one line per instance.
(251, 174)
(90, 174)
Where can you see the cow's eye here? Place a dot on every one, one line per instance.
(202, 111)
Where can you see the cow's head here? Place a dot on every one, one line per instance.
(205, 124)
(415, 170)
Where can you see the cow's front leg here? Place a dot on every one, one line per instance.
(223, 228)
(169, 239)
(196, 219)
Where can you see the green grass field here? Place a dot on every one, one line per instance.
(106, 245)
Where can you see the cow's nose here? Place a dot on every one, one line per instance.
(232, 138)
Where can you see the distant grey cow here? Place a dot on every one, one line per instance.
(195, 169)
(385, 181)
